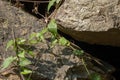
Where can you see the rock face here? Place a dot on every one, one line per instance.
(92, 21)
(22, 22)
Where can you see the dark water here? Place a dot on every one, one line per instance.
(109, 54)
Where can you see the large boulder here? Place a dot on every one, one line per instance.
(58, 63)
(91, 21)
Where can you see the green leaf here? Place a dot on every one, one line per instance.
(32, 36)
(21, 54)
(52, 27)
(44, 31)
(78, 52)
(63, 41)
(21, 41)
(10, 43)
(26, 71)
(68, 44)
(95, 76)
(57, 1)
(24, 62)
(7, 62)
(51, 3)
(54, 42)
(40, 37)
(33, 41)
(31, 53)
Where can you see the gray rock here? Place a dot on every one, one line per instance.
(92, 21)
(56, 63)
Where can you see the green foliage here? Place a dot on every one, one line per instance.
(20, 58)
(53, 43)
(36, 37)
(57, 1)
(10, 43)
(64, 42)
(26, 71)
(24, 62)
(32, 36)
(40, 35)
(33, 41)
(31, 53)
(51, 3)
(78, 52)
(21, 54)
(52, 27)
(7, 62)
(95, 76)
(20, 41)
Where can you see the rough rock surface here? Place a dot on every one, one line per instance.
(58, 63)
(92, 21)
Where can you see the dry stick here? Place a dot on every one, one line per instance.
(40, 14)
(35, 10)
(6, 70)
(16, 50)
(85, 66)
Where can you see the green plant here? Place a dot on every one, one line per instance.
(52, 2)
(35, 38)
(20, 58)
(95, 76)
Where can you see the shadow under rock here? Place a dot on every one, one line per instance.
(28, 47)
(43, 69)
(67, 51)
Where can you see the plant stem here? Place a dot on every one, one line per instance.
(85, 66)
(16, 51)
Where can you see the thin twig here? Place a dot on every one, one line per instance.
(6, 70)
(85, 66)
(16, 50)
